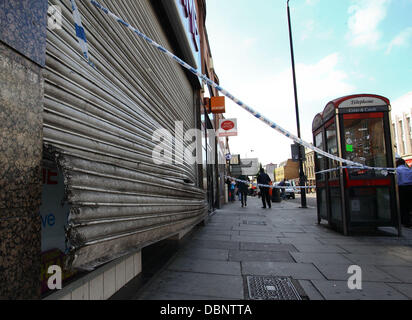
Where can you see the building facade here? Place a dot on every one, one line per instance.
(402, 128)
(309, 169)
(270, 170)
(288, 170)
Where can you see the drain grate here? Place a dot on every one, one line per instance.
(255, 223)
(271, 288)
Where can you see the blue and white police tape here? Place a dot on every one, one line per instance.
(203, 77)
(268, 185)
(383, 171)
(80, 34)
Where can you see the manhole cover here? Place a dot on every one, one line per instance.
(271, 288)
(256, 223)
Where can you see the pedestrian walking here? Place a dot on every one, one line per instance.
(243, 188)
(263, 178)
(404, 174)
(232, 191)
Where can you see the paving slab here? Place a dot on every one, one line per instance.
(254, 239)
(204, 253)
(217, 232)
(297, 241)
(279, 228)
(403, 288)
(303, 271)
(324, 248)
(236, 255)
(214, 244)
(300, 235)
(205, 266)
(321, 258)
(260, 233)
(338, 290)
(218, 227)
(254, 246)
(402, 273)
(210, 236)
(310, 290)
(247, 227)
(155, 295)
(376, 259)
(404, 252)
(199, 284)
(340, 272)
(340, 241)
(368, 249)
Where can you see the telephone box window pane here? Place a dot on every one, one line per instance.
(336, 204)
(322, 203)
(365, 141)
(320, 164)
(369, 204)
(332, 148)
(365, 144)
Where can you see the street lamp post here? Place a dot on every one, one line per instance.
(301, 172)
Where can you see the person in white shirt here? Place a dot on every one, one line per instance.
(404, 174)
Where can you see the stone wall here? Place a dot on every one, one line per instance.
(21, 107)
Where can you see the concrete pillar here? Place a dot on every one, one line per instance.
(22, 55)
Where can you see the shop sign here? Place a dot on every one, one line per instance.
(363, 102)
(215, 105)
(189, 9)
(54, 211)
(188, 15)
(227, 127)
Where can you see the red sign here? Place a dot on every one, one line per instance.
(227, 125)
(409, 162)
(190, 13)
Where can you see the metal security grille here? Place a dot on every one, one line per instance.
(99, 123)
(271, 288)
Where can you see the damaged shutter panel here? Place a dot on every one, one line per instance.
(98, 126)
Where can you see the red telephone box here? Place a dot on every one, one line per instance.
(356, 128)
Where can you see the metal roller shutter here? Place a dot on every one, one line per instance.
(98, 124)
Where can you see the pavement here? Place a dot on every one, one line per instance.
(285, 241)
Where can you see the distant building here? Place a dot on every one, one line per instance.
(270, 170)
(402, 128)
(250, 166)
(247, 167)
(288, 170)
(309, 168)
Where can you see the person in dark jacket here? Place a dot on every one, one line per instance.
(263, 178)
(243, 189)
(404, 174)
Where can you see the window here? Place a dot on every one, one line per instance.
(365, 143)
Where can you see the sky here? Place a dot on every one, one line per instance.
(341, 47)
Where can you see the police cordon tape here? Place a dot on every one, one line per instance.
(83, 43)
(384, 171)
(269, 185)
(80, 33)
